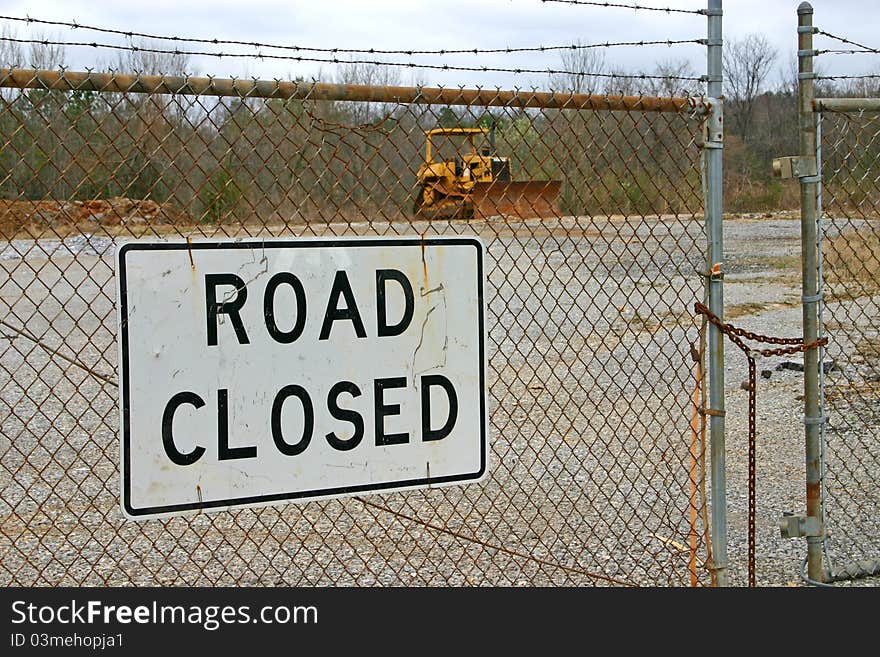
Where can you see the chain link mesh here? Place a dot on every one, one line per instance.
(596, 477)
(850, 314)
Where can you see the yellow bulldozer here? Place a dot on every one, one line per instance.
(475, 182)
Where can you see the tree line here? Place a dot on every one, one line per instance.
(236, 159)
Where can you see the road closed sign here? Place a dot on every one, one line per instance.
(262, 372)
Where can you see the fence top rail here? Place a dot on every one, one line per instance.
(253, 88)
(847, 104)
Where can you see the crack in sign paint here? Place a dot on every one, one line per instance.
(264, 261)
(424, 293)
(248, 475)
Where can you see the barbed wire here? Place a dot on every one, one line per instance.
(864, 49)
(831, 51)
(617, 5)
(334, 60)
(871, 76)
(379, 51)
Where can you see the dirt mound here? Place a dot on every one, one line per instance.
(16, 216)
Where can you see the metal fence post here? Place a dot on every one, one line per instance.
(809, 248)
(713, 153)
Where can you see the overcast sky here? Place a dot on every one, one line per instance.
(449, 24)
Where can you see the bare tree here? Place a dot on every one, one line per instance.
(11, 55)
(865, 87)
(747, 64)
(665, 79)
(622, 83)
(47, 55)
(788, 78)
(372, 75)
(585, 71)
(44, 51)
(669, 78)
(142, 61)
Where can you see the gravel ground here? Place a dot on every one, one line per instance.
(589, 328)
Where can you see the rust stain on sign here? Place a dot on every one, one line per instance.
(424, 262)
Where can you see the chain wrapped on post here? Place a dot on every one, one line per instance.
(790, 346)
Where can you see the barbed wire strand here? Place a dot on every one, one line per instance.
(864, 49)
(872, 76)
(617, 5)
(846, 52)
(334, 60)
(379, 51)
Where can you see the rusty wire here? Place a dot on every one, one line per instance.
(737, 336)
(862, 48)
(589, 381)
(698, 354)
(867, 76)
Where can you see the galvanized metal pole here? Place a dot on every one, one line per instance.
(810, 286)
(713, 145)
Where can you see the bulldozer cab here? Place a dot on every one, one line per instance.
(464, 155)
(446, 143)
(467, 153)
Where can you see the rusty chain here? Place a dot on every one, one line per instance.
(736, 335)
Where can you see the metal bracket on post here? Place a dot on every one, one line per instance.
(797, 166)
(798, 525)
(713, 126)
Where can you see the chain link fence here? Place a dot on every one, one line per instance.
(850, 366)
(597, 449)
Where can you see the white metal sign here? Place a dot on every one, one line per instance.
(257, 372)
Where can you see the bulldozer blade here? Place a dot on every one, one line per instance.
(523, 199)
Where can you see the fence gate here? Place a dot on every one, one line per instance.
(596, 464)
(840, 196)
(849, 314)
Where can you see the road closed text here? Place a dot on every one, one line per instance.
(277, 371)
(293, 445)
(341, 307)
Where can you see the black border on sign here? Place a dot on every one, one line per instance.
(125, 455)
